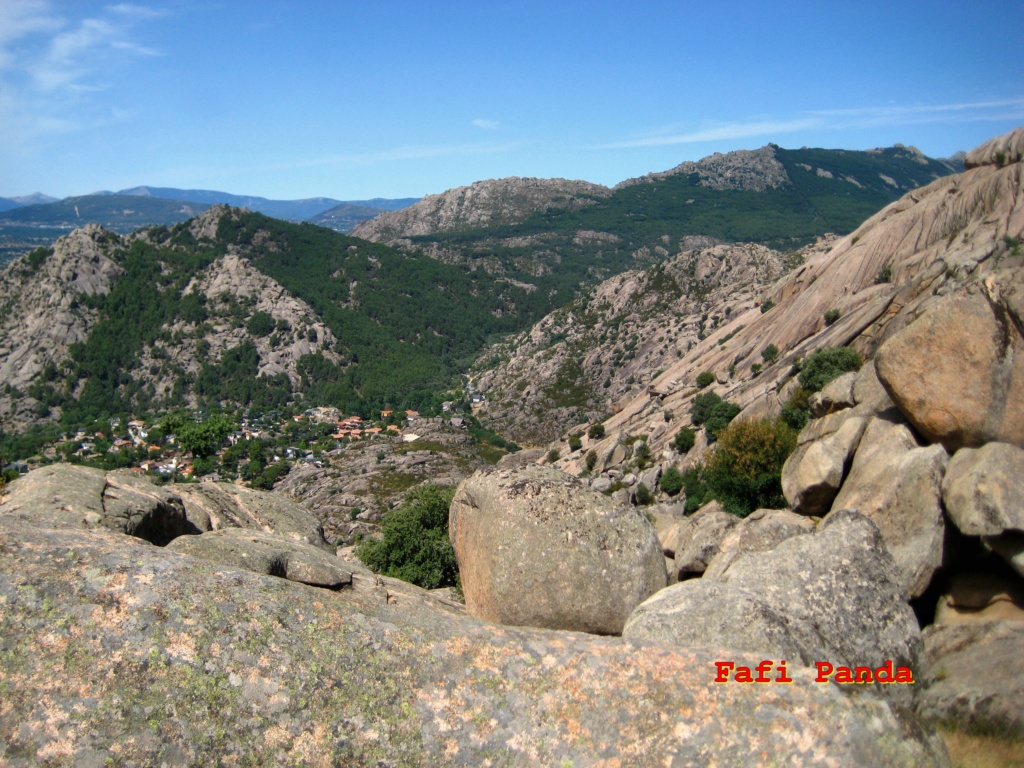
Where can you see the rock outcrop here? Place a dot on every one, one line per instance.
(973, 676)
(485, 203)
(119, 651)
(536, 548)
(43, 309)
(142, 656)
(834, 595)
(957, 371)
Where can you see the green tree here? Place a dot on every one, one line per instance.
(744, 471)
(596, 431)
(827, 364)
(684, 439)
(671, 481)
(414, 545)
(204, 438)
(713, 413)
(770, 354)
(705, 379)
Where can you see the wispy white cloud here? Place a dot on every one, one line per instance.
(719, 132)
(833, 119)
(134, 11)
(487, 125)
(50, 63)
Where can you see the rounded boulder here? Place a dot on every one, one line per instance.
(537, 548)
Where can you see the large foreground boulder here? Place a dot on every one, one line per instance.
(833, 595)
(537, 548)
(127, 654)
(86, 498)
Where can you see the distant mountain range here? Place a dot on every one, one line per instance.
(31, 221)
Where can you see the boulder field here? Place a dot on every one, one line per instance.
(117, 651)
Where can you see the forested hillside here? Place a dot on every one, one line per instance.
(781, 198)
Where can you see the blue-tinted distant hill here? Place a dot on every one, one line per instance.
(290, 210)
(119, 213)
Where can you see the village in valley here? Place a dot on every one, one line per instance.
(256, 449)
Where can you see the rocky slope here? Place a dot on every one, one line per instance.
(578, 363)
(47, 309)
(932, 241)
(43, 312)
(923, 446)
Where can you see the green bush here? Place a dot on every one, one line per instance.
(755, 368)
(696, 489)
(671, 481)
(827, 364)
(831, 316)
(575, 442)
(642, 494)
(415, 546)
(591, 460)
(884, 274)
(768, 304)
(797, 410)
(596, 431)
(744, 471)
(553, 456)
(684, 439)
(770, 354)
(705, 379)
(714, 413)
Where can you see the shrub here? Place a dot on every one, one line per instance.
(596, 431)
(884, 274)
(643, 451)
(671, 481)
(705, 379)
(642, 494)
(684, 439)
(415, 545)
(591, 460)
(797, 410)
(770, 354)
(768, 304)
(755, 368)
(575, 442)
(831, 316)
(744, 471)
(826, 364)
(553, 456)
(696, 489)
(713, 413)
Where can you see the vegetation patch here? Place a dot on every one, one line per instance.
(414, 545)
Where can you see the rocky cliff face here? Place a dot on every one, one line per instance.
(756, 170)
(483, 204)
(43, 310)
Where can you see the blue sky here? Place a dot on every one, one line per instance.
(390, 98)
